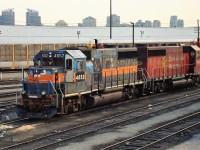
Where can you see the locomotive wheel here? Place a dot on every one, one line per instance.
(130, 93)
(197, 80)
(83, 103)
(75, 107)
(66, 109)
(156, 88)
(135, 92)
(139, 90)
(162, 87)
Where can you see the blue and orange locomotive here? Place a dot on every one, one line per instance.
(69, 80)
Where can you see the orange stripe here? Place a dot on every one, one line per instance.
(74, 77)
(85, 76)
(44, 78)
(119, 70)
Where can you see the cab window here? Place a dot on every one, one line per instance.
(198, 55)
(37, 62)
(69, 64)
(79, 65)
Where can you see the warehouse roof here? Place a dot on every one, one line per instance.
(47, 35)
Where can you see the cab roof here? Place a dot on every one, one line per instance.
(76, 53)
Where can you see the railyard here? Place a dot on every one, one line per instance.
(100, 128)
(145, 121)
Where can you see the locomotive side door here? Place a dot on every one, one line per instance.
(79, 68)
(69, 68)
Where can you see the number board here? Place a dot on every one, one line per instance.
(59, 55)
(45, 55)
(80, 76)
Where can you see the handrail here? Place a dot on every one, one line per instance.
(61, 90)
(62, 111)
(173, 67)
(38, 82)
(143, 75)
(55, 92)
(147, 73)
(17, 94)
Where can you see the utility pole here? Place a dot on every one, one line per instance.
(133, 35)
(78, 33)
(198, 32)
(110, 19)
(142, 32)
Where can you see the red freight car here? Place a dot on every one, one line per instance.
(197, 60)
(169, 66)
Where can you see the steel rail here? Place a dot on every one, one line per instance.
(148, 138)
(100, 127)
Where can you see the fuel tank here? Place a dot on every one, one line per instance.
(95, 101)
(182, 83)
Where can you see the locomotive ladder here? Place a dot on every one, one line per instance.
(55, 92)
(144, 76)
(62, 99)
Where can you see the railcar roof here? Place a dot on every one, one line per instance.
(73, 53)
(76, 53)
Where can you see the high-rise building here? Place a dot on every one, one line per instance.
(32, 18)
(80, 25)
(148, 24)
(139, 23)
(89, 22)
(61, 23)
(1, 20)
(173, 21)
(115, 21)
(180, 23)
(156, 24)
(8, 17)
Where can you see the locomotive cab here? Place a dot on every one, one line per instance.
(75, 64)
(54, 75)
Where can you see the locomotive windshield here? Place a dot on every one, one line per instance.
(41, 71)
(52, 62)
(48, 58)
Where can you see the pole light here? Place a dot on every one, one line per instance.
(110, 19)
(78, 33)
(196, 29)
(133, 35)
(198, 32)
(142, 32)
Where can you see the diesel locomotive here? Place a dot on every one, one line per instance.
(73, 79)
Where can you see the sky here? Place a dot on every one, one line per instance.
(73, 11)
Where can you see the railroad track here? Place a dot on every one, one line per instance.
(7, 82)
(8, 101)
(52, 139)
(8, 91)
(151, 139)
(10, 76)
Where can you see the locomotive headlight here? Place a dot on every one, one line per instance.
(23, 92)
(43, 93)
